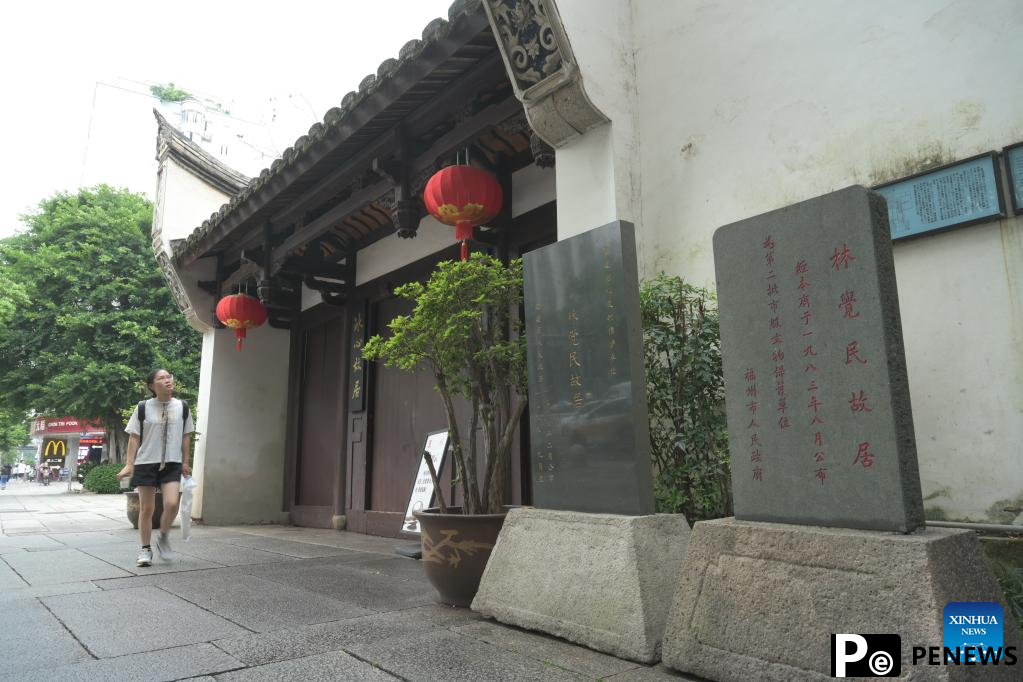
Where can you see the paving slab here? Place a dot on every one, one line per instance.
(154, 666)
(9, 579)
(90, 617)
(31, 637)
(544, 648)
(22, 526)
(124, 554)
(323, 536)
(395, 567)
(341, 581)
(444, 656)
(336, 665)
(258, 604)
(159, 578)
(33, 591)
(658, 673)
(61, 566)
(301, 550)
(87, 538)
(396, 626)
(15, 543)
(228, 554)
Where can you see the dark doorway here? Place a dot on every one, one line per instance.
(319, 475)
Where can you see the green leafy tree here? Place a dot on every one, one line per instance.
(169, 93)
(685, 398)
(13, 432)
(91, 314)
(462, 331)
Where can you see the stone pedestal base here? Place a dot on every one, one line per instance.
(602, 580)
(759, 601)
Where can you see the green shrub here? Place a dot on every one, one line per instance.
(685, 399)
(1010, 579)
(102, 479)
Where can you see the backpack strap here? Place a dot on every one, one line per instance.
(184, 416)
(142, 419)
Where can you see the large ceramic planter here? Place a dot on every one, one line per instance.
(456, 548)
(133, 508)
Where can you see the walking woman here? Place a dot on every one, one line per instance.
(158, 453)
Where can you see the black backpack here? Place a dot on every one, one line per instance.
(142, 417)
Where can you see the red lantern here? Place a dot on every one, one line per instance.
(241, 313)
(463, 196)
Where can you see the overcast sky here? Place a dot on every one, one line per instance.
(295, 58)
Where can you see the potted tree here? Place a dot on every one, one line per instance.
(465, 330)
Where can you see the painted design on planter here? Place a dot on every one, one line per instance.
(449, 550)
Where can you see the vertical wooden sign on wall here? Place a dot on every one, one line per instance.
(357, 376)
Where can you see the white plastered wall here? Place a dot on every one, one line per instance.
(243, 404)
(739, 108)
(242, 396)
(598, 174)
(183, 201)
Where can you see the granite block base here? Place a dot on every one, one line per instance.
(602, 580)
(759, 601)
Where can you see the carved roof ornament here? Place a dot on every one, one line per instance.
(542, 68)
(543, 153)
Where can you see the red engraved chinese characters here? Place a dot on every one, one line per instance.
(842, 258)
(846, 305)
(858, 403)
(814, 404)
(864, 456)
(852, 353)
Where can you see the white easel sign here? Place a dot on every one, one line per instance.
(422, 488)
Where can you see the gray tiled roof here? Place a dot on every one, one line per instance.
(196, 159)
(333, 122)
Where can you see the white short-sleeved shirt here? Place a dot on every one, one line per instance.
(157, 415)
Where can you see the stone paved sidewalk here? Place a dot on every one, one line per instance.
(243, 603)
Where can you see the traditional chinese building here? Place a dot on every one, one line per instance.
(678, 117)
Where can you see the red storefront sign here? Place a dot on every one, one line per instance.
(42, 425)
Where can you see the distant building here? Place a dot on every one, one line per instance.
(118, 150)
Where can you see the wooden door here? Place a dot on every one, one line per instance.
(320, 448)
(406, 408)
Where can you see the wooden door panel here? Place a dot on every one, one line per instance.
(321, 434)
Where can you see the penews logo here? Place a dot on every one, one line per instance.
(974, 629)
(855, 655)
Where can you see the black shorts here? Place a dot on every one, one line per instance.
(152, 475)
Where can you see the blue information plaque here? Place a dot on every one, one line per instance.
(961, 193)
(1013, 155)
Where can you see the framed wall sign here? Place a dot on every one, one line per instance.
(422, 487)
(961, 193)
(1013, 155)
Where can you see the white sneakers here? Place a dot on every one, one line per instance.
(163, 546)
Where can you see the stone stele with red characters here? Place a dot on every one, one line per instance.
(819, 419)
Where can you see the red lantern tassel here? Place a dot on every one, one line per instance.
(239, 334)
(463, 233)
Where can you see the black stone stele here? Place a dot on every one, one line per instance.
(589, 436)
(819, 420)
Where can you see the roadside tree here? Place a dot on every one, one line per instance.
(88, 313)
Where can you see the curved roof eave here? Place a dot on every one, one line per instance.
(394, 77)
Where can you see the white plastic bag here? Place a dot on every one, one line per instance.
(188, 484)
